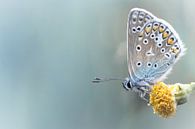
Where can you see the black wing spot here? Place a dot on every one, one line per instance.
(139, 64)
(149, 64)
(145, 41)
(152, 36)
(159, 45)
(156, 39)
(167, 55)
(134, 30)
(162, 50)
(155, 65)
(138, 28)
(138, 48)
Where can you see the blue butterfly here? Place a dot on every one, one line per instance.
(153, 47)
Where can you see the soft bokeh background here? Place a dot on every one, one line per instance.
(50, 50)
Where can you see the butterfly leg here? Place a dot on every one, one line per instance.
(143, 86)
(143, 89)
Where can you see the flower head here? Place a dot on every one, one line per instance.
(162, 99)
(165, 98)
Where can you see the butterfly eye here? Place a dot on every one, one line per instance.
(162, 50)
(145, 41)
(139, 64)
(129, 85)
(133, 29)
(138, 48)
(155, 65)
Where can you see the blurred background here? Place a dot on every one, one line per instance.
(50, 50)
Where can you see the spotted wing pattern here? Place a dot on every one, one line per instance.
(153, 47)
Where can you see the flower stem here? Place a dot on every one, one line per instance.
(182, 92)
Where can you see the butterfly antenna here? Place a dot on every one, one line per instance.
(98, 80)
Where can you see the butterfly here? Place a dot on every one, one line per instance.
(153, 47)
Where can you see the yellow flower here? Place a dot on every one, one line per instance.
(162, 100)
(165, 98)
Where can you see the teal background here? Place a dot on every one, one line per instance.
(50, 50)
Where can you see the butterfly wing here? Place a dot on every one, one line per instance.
(153, 47)
(136, 20)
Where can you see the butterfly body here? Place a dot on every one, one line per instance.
(153, 47)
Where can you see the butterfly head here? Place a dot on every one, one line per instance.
(127, 84)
